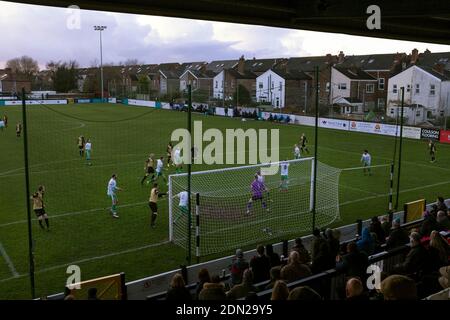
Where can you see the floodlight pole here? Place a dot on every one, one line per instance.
(400, 147)
(101, 28)
(190, 152)
(27, 194)
(316, 128)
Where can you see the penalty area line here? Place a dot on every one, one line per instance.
(153, 245)
(9, 262)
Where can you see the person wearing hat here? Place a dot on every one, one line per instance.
(237, 267)
(398, 287)
(398, 236)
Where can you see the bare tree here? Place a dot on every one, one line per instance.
(24, 65)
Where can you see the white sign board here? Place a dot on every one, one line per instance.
(142, 103)
(333, 124)
(34, 102)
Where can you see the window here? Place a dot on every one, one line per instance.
(394, 88)
(260, 85)
(328, 87)
(417, 88)
(281, 86)
(392, 111)
(342, 86)
(418, 113)
(272, 85)
(217, 84)
(408, 88)
(381, 103)
(370, 87)
(432, 89)
(380, 83)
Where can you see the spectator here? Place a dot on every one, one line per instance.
(366, 243)
(337, 236)
(92, 294)
(203, 277)
(386, 226)
(294, 270)
(320, 254)
(429, 224)
(354, 290)
(237, 268)
(375, 227)
(304, 294)
(439, 249)
(333, 246)
(274, 258)
(178, 290)
(260, 265)
(398, 236)
(354, 263)
(417, 258)
(242, 290)
(441, 206)
(280, 291)
(214, 290)
(275, 274)
(443, 221)
(304, 256)
(444, 279)
(398, 287)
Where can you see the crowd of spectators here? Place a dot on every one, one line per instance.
(423, 270)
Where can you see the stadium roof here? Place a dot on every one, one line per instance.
(414, 20)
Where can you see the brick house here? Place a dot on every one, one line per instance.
(352, 89)
(228, 81)
(379, 66)
(11, 83)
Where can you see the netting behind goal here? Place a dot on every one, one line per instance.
(224, 220)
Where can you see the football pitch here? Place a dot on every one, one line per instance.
(82, 231)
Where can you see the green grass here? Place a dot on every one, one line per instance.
(82, 231)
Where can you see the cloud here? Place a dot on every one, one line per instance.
(43, 33)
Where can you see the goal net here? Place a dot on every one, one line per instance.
(227, 221)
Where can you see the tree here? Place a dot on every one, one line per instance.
(25, 66)
(144, 84)
(242, 96)
(64, 75)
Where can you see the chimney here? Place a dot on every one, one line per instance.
(414, 56)
(241, 65)
(427, 51)
(439, 68)
(8, 70)
(329, 58)
(341, 57)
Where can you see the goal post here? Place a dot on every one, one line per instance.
(227, 216)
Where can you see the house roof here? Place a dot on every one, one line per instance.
(291, 74)
(200, 74)
(442, 77)
(245, 75)
(193, 65)
(383, 61)
(431, 59)
(218, 65)
(171, 74)
(168, 66)
(354, 73)
(307, 64)
(260, 65)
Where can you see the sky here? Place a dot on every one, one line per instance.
(62, 34)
